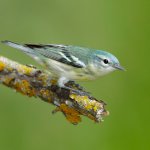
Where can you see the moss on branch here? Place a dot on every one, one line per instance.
(36, 83)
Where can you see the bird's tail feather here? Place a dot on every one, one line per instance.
(30, 52)
(17, 46)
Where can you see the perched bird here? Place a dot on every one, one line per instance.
(67, 62)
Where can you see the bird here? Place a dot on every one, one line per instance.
(70, 63)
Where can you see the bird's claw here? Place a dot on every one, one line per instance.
(75, 91)
(75, 85)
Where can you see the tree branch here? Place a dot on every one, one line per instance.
(34, 82)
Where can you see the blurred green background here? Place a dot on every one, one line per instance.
(122, 28)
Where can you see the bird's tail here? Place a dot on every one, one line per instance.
(30, 52)
(17, 46)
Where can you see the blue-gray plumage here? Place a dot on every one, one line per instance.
(67, 62)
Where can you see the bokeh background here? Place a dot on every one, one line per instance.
(122, 28)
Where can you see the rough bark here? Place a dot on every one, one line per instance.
(34, 82)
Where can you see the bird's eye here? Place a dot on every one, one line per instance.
(105, 61)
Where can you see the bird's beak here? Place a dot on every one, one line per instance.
(117, 66)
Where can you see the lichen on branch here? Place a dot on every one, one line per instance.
(36, 83)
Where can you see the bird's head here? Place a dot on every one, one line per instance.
(105, 62)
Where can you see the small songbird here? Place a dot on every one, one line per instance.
(67, 62)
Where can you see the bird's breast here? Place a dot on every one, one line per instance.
(62, 70)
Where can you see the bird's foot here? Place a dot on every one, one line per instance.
(72, 86)
(75, 85)
(76, 91)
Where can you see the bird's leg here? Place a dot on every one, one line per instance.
(62, 81)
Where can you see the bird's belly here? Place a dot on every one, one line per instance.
(72, 73)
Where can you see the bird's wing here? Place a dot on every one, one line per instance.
(70, 55)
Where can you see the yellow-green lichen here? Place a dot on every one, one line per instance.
(53, 82)
(24, 87)
(25, 69)
(2, 66)
(46, 94)
(71, 114)
(7, 80)
(85, 102)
